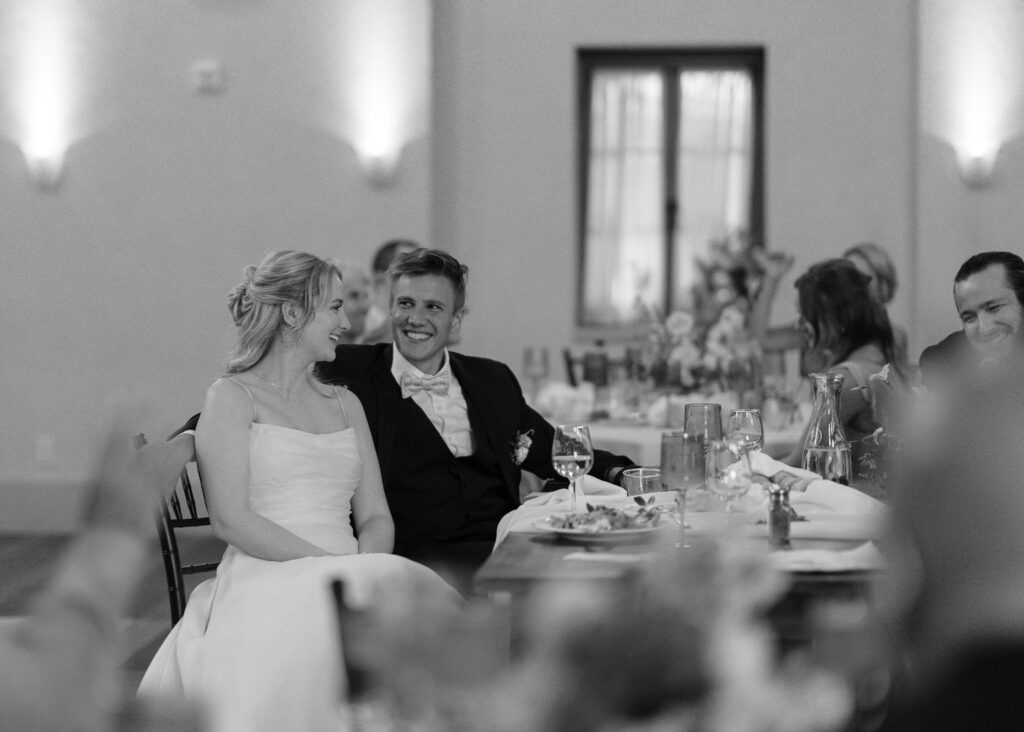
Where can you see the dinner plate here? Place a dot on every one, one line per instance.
(610, 536)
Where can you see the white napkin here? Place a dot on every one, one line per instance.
(863, 557)
(558, 400)
(821, 497)
(591, 487)
(608, 557)
(596, 491)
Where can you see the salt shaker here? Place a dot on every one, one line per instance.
(778, 515)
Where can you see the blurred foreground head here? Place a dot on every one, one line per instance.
(960, 510)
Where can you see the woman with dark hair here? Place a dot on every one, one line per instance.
(874, 262)
(869, 258)
(847, 331)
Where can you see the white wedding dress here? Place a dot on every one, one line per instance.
(258, 644)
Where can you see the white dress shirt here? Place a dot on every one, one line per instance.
(448, 413)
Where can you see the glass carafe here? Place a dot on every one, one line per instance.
(826, 450)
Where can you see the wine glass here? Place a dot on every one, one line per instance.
(728, 472)
(746, 426)
(572, 454)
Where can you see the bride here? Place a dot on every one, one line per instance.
(293, 487)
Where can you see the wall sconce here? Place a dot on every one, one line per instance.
(46, 91)
(971, 59)
(976, 168)
(381, 169)
(384, 81)
(45, 170)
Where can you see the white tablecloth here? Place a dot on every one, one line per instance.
(833, 511)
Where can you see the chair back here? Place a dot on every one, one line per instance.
(184, 508)
(572, 364)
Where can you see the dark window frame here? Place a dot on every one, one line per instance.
(670, 61)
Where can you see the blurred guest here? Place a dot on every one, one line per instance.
(847, 331)
(452, 432)
(680, 644)
(59, 665)
(357, 296)
(989, 294)
(957, 586)
(723, 286)
(869, 258)
(378, 325)
(874, 263)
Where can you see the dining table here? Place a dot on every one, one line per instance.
(832, 553)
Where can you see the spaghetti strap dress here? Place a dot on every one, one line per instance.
(258, 644)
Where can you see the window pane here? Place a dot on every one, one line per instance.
(624, 257)
(715, 169)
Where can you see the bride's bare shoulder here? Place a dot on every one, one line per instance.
(229, 397)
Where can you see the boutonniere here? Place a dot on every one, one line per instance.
(521, 446)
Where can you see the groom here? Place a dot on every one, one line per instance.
(452, 432)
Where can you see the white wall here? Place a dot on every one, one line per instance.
(839, 130)
(118, 279)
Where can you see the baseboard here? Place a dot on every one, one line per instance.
(43, 507)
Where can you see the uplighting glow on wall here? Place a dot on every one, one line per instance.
(44, 92)
(972, 66)
(386, 60)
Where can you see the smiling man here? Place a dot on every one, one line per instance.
(989, 294)
(448, 428)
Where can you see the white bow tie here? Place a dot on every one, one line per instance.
(437, 384)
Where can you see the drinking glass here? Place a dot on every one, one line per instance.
(704, 420)
(535, 367)
(641, 480)
(728, 472)
(682, 467)
(572, 454)
(745, 425)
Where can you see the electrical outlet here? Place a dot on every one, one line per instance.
(208, 76)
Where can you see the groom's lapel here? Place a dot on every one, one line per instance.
(387, 409)
(485, 417)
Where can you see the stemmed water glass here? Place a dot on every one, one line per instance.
(728, 472)
(745, 425)
(572, 454)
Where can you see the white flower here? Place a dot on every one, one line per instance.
(679, 324)
(686, 353)
(521, 447)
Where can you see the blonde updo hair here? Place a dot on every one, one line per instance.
(256, 303)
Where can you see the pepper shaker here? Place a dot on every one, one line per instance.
(778, 516)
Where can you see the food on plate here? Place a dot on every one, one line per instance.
(608, 518)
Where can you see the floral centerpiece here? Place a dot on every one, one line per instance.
(679, 354)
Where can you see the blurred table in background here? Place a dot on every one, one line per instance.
(642, 442)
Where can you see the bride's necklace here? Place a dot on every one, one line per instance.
(275, 385)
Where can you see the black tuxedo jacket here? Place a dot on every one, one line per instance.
(950, 358)
(498, 412)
